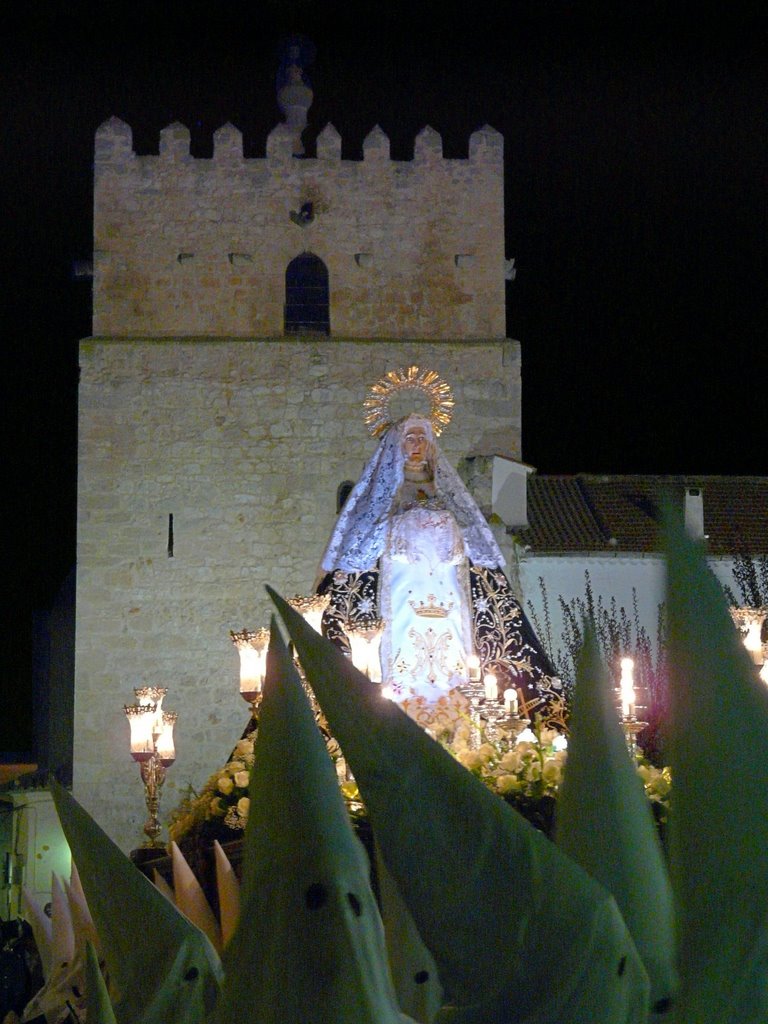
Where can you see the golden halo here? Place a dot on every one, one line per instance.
(426, 382)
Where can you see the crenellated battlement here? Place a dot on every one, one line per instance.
(201, 246)
(114, 144)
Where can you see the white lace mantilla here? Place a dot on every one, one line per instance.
(360, 536)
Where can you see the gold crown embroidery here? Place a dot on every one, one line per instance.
(432, 610)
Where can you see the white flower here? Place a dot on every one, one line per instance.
(225, 785)
(244, 747)
(507, 784)
(486, 752)
(243, 804)
(511, 761)
(241, 779)
(471, 759)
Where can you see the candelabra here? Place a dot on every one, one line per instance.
(252, 647)
(311, 608)
(492, 711)
(364, 641)
(630, 723)
(152, 748)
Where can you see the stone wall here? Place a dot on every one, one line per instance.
(244, 442)
(187, 246)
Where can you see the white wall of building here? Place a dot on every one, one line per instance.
(612, 576)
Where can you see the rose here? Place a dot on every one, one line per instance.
(241, 779)
(235, 766)
(242, 806)
(511, 761)
(471, 759)
(487, 752)
(244, 747)
(507, 784)
(225, 785)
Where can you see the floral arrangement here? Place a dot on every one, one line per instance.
(221, 807)
(526, 772)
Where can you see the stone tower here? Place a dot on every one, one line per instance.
(241, 309)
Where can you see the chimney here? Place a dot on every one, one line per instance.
(509, 499)
(694, 512)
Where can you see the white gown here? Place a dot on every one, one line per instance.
(425, 603)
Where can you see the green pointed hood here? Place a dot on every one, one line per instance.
(162, 969)
(516, 928)
(719, 820)
(309, 944)
(99, 1006)
(605, 824)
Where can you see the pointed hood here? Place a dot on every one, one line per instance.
(414, 971)
(162, 969)
(82, 922)
(309, 944)
(719, 820)
(516, 928)
(191, 900)
(42, 929)
(604, 823)
(228, 889)
(63, 933)
(99, 1006)
(162, 886)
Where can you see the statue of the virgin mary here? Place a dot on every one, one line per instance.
(412, 551)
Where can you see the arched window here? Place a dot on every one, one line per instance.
(306, 296)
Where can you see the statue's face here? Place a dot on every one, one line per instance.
(416, 445)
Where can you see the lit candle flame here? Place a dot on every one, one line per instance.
(627, 688)
(491, 686)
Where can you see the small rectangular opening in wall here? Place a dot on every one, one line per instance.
(170, 535)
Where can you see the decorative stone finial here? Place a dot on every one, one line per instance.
(294, 92)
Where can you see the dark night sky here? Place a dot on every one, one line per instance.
(635, 202)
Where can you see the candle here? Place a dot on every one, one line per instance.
(491, 686)
(627, 688)
(473, 668)
(510, 700)
(753, 642)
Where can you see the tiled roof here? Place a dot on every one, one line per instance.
(583, 513)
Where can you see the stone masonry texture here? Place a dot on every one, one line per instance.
(187, 246)
(193, 404)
